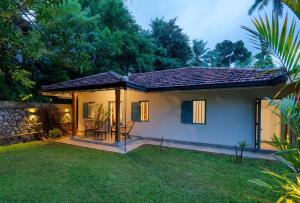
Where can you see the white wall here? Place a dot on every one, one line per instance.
(230, 114)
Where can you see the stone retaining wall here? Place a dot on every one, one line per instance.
(19, 121)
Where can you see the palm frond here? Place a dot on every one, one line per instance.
(280, 41)
(254, 6)
(294, 5)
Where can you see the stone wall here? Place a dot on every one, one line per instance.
(19, 122)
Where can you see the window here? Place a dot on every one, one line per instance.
(88, 110)
(144, 111)
(199, 112)
(193, 112)
(140, 111)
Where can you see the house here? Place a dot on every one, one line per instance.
(207, 106)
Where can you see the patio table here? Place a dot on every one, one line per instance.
(100, 132)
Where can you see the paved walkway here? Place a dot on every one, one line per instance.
(139, 142)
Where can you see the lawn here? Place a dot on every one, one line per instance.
(50, 172)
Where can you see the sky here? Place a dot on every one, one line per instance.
(210, 20)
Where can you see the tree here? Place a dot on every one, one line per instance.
(70, 37)
(277, 6)
(263, 60)
(122, 46)
(45, 42)
(169, 36)
(227, 54)
(19, 47)
(199, 51)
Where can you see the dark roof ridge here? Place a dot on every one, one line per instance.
(117, 75)
(200, 67)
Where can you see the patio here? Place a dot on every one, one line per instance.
(137, 142)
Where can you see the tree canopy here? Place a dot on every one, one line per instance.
(44, 42)
(228, 53)
(169, 36)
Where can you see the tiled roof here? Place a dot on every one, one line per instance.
(182, 78)
(186, 77)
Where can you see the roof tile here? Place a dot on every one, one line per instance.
(175, 78)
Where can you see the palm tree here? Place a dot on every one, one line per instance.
(283, 42)
(277, 6)
(261, 4)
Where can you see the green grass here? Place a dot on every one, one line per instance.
(49, 172)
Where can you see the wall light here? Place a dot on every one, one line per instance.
(32, 118)
(67, 118)
(32, 110)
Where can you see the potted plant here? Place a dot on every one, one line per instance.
(101, 115)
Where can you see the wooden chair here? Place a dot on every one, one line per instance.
(102, 131)
(90, 128)
(113, 129)
(128, 130)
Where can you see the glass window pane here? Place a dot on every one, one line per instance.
(144, 111)
(199, 112)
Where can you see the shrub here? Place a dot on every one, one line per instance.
(55, 133)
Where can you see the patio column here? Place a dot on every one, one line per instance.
(118, 112)
(74, 107)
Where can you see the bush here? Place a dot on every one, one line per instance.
(55, 133)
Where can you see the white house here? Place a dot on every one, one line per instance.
(205, 106)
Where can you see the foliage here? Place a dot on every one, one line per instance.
(53, 41)
(101, 115)
(263, 61)
(170, 36)
(290, 186)
(19, 47)
(289, 112)
(199, 51)
(283, 43)
(287, 185)
(261, 4)
(277, 6)
(228, 53)
(55, 133)
(50, 117)
(294, 6)
(142, 175)
(242, 145)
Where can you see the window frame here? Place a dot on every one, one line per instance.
(205, 113)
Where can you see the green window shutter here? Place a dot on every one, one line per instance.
(135, 111)
(187, 112)
(85, 110)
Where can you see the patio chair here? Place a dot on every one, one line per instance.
(113, 129)
(129, 127)
(102, 131)
(90, 128)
